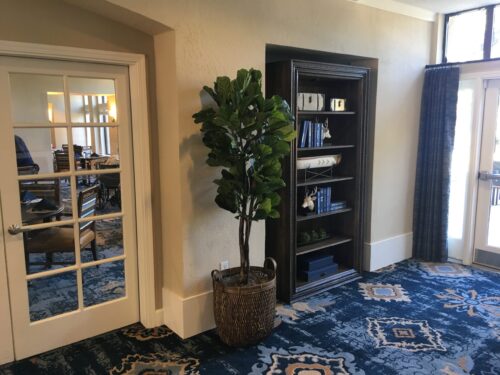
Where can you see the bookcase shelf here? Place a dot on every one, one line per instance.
(315, 216)
(347, 180)
(332, 241)
(329, 147)
(321, 181)
(312, 113)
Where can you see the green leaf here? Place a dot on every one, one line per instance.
(223, 89)
(274, 214)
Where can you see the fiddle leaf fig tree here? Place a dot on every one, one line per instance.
(248, 136)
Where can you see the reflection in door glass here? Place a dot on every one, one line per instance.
(103, 283)
(109, 240)
(48, 249)
(494, 224)
(108, 191)
(44, 200)
(37, 98)
(52, 295)
(99, 147)
(36, 149)
(92, 100)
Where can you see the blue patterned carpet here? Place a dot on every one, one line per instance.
(411, 318)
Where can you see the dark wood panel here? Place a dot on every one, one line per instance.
(348, 180)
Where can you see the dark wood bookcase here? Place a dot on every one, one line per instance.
(348, 180)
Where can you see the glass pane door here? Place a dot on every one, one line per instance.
(487, 239)
(72, 256)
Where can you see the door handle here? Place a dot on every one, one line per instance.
(486, 176)
(16, 229)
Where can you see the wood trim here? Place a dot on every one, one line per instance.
(140, 140)
(6, 340)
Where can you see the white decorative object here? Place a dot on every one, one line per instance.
(307, 101)
(318, 161)
(309, 199)
(326, 131)
(337, 105)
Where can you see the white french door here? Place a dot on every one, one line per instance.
(67, 198)
(487, 235)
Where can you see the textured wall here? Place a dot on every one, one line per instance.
(58, 23)
(218, 37)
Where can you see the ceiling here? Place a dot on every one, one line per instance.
(448, 6)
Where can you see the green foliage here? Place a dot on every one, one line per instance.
(248, 136)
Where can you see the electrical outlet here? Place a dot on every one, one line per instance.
(224, 265)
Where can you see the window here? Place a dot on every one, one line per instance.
(472, 35)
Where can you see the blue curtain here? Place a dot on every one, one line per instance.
(435, 145)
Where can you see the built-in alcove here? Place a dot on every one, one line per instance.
(321, 246)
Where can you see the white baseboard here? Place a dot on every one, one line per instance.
(388, 251)
(188, 316)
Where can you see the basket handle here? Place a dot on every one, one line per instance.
(271, 261)
(216, 275)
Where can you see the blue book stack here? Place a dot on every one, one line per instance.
(304, 132)
(338, 205)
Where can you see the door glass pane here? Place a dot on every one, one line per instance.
(37, 98)
(460, 160)
(494, 223)
(103, 283)
(36, 148)
(108, 191)
(109, 241)
(48, 249)
(98, 147)
(52, 295)
(495, 41)
(45, 200)
(465, 36)
(92, 100)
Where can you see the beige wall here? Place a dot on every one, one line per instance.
(55, 22)
(217, 37)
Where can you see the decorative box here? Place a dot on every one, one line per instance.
(318, 274)
(314, 262)
(318, 161)
(307, 101)
(337, 105)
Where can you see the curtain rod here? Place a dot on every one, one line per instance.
(460, 63)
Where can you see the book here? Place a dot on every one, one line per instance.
(321, 135)
(319, 198)
(328, 194)
(303, 133)
(329, 198)
(309, 135)
(338, 205)
(318, 134)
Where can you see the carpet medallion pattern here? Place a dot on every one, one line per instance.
(411, 318)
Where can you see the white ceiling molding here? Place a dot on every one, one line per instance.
(400, 8)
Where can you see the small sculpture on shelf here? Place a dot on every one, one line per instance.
(312, 236)
(326, 131)
(309, 199)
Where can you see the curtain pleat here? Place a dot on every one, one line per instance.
(435, 146)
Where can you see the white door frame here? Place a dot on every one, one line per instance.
(6, 342)
(136, 64)
(479, 76)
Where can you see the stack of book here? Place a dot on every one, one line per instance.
(311, 134)
(324, 201)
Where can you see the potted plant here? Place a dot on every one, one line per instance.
(248, 136)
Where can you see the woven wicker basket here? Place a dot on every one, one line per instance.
(245, 315)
